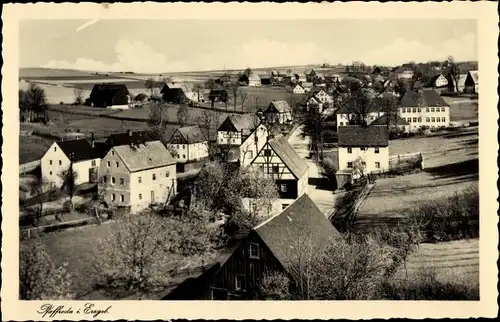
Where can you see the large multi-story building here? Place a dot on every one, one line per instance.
(424, 107)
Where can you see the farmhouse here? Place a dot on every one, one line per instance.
(346, 114)
(278, 112)
(218, 95)
(137, 175)
(273, 246)
(175, 92)
(109, 95)
(471, 83)
(403, 72)
(265, 79)
(249, 80)
(83, 155)
(278, 160)
(324, 97)
(368, 146)
(439, 81)
(189, 143)
(424, 107)
(313, 103)
(297, 89)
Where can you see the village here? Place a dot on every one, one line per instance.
(215, 185)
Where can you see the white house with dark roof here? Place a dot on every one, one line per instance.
(137, 174)
(471, 82)
(424, 107)
(58, 157)
(346, 114)
(278, 160)
(368, 144)
(297, 89)
(189, 143)
(278, 112)
(313, 102)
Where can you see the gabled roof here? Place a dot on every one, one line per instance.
(144, 156)
(80, 150)
(107, 90)
(301, 222)
(192, 134)
(254, 77)
(176, 85)
(126, 137)
(358, 136)
(375, 105)
(307, 84)
(242, 122)
(474, 74)
(264, 75)
(280, 106)
(288, 155)
(424, 98)
(297, 85)
(393, 120)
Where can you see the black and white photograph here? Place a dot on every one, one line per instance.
(261, 159)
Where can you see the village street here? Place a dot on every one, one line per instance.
(324, 199)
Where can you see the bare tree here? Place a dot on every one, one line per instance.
(78, 92)
(44, 190)
(183, 116)
(150, 84)
(39, 277)
(209, 122)
(158, 120)
(452, 68)
(34, 101)
(197, 89)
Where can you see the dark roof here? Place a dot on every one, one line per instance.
(80, 149)
(300, 222)
(125, 138)
(424, 98)
(107, 90)
(243, 122)
(375, 105)
(393, 120)
(359, 136)
(192, 134)
(280, 106)
(287, 154)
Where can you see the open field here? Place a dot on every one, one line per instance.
(462, 108)
(32, 148)
(47, 73)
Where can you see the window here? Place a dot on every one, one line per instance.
(419, 110)
(276, 169)
(167, 174)
(443, 109)
(50, 162)
(140, 196)
(104, 179)
(122, 181)
(363, 163)
(112, 152)
(183, 156)
(239, 281)
(443, 119)
(363, 149)
(112, 180)
(341, 123)
(154, 176)
(55, 149)
(377, 150)
(177, 146)
(419, 119)
(250, 154)
(427, 109)
(122, 198)
(139, 179)
(117, 164)
(253, 250)
(60, 162)
(414, 119)
(408, 120)
(109, 164)
(283, 206)
(427, 119)
(93, 163)
(267, 153)
(433, 119)
(183, 146)
(414, 110)
(432, 109)
(50, 172)
(113, 197)
(349, 164)
(403, 110)
(233, 140)
(377, 165)
(283, 188)
(349, 150)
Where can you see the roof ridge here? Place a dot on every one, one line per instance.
(278, 214)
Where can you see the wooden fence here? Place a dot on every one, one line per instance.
(29, 233)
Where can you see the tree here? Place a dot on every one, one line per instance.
(389, 105)
(197, 89)
(209, 122)
(34, 102)
(68, 178)
(150, 84)
(358, 106)
(359, 166)
(158, 120)
(78, 92)
(211, 84)
(134, 255)
(248, 71)
(183, 116)
(452, 69)
(39, 277)
(44, 190)
(141, 97)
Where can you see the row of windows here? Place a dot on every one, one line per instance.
(427, 119)
(139, 179)
(275, 168)
(377, 150)
(60, 162)
(113, 197)
(418, 109)
(377, 164)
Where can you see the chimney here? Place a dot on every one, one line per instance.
(92, 141)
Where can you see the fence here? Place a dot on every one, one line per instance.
(346, 208)
(29, 233)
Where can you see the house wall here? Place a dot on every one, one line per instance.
(298, 90)
(441, 81)
(52, 171)
(407, 74)
(323, 97)
(188, 152)
(343, 119)
(253, 144)
(423, 116)
(226, 137)
(368, 156)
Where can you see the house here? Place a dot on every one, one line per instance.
(218, 95)
(300, 77)
(110, 95)
(189, 143)
(297, 89)
(273, 246)
(471, 83)
(403, 72)
(376, 71)
(278, 112)
(137, 175)
(82, 154)
(307, 86)
(345, 114)
(249, 80)
(439, 81)
(395, 122)
(424, 107)
(265, 79)
(175, 92)
(461, 83)
(332, 78)
(323, 97)
(369, 145)
(314, 103)
(278, 159)
(243, 136)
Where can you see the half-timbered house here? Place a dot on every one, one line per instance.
(278, 112)
(189, 143)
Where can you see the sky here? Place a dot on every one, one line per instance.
(155, 46)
